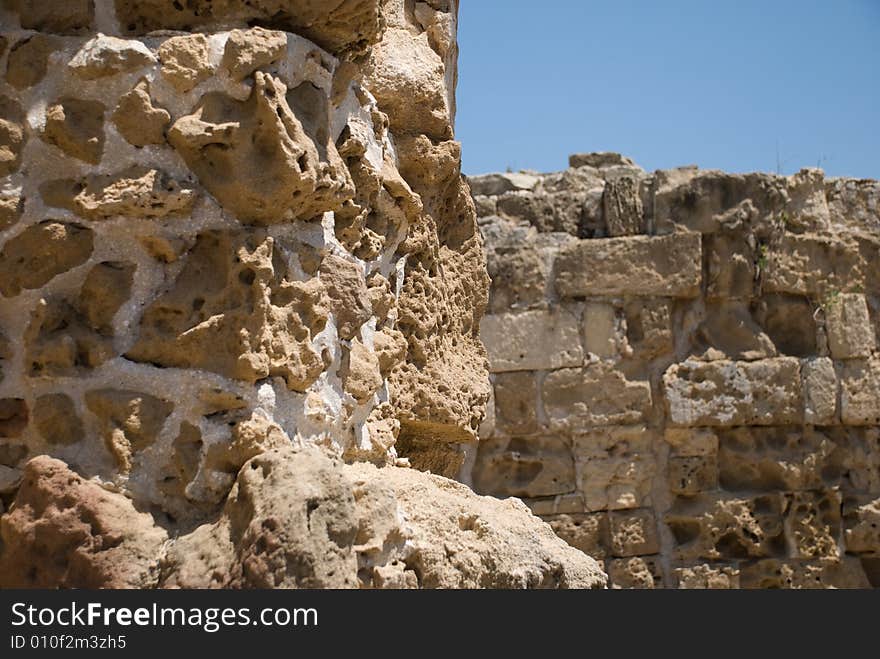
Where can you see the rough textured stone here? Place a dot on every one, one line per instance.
(532, 340)
(64, 531)
(28, 59)
(138, 120)
(615, 467)
(12, 135)
(641, 265)
(104, 56)
(185, 61)
(860, 392)
(524, 467)
(598, 395)
(850, 332)
(41, 252)
(707, 576)
(725, 393)
(77, 128)
(248, 50)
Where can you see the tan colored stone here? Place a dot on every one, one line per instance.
(603, 334)
(597, 395)
(781, 458)
(28, 60)
(732, 264)
(245, 321)
(861, 515)
(64, 531)
(615, 467)
(639, 572)
(812, 523)
(622, 206)
(12, 135)
(185, 61)
(804, 574)
(69, 17)
(13, 417)
(103, 56)
(639, 265)
(77, 128)
(135, 192)
(138, 120)
(130, 421)
(11, 209)
(350, 25)
(633, 532)
(248, 50)
(40, 252)
(347, 294)
(300, 177)
(587, 532)
(362, 378)
(532, 340)
(820, 391)
(56, 419)
(813, 265)
(516, 403)
(727, 393)
(849, 327)
(707, 576)
(714, 527)
(860, 392)
(649, 327)
(524, 467)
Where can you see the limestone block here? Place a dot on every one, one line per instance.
(803, 574)
(732, 264)
(587, 532)
(706, 576)
(728, 393)
(615, 467)
(622, 206)
(516, 403)
(813, 265)
(633, 532)
(716, 527)
(860, 392)
(41, 252)
(639, 265)
(861, 460)
(519, 278)
(597, 395)
(849, 328)
(820, 391)
(103, 56)
(649, 327)
(496, 184)
(64, 531)
(861, 517)
(813, 524)
(524, 466)
(604, 334)
(639, 572)
(728, 331)
(780, 458)
(532, 340)
(692, 465)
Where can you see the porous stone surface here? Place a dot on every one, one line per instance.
(685, 373)
(231, 228)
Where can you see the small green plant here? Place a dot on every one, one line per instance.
(763, 258)
(832, 298)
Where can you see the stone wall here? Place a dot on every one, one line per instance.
(685, 370)
(229, 233)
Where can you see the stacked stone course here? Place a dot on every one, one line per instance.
(685, 370)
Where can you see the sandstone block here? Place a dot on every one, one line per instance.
(849, 327)
(185, 61)
(639, 572)
(812, 523)
(516, 402)
(138, 120)
(103, 56)
(532, 340)
(40, 253)
(861, 516)
(604, 334)
(708, 576)
(633, 532)
(640, 265)
(820, 391)
(727, 393)
(587, 532)
(597, 395)
(649, 327)
(524, 466)
(803, 574)
(813, 265)
(497, 184)
(860, 392)
(615, 467)
(622, 206)
(248, 50)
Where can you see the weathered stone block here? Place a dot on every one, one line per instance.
(707, 576)
(715, 527)
(783, 458)
(524, 466)
(820, 391)
(615, 467)
(587, 532)
(516, 403)
(861, 518)
(622, 205)
(860, 392)
(849, 328)
(813, 265)
(803, 574)
(532, 340)
(727, 393)
(597, 395)
(639, 265)
(812, 523)
(649, 327)
(638, 572)
(732, 264)
(633, 532)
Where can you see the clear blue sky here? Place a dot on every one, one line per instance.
(671, 82)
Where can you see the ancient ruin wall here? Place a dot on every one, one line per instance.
(231, 233)
(685, 370)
